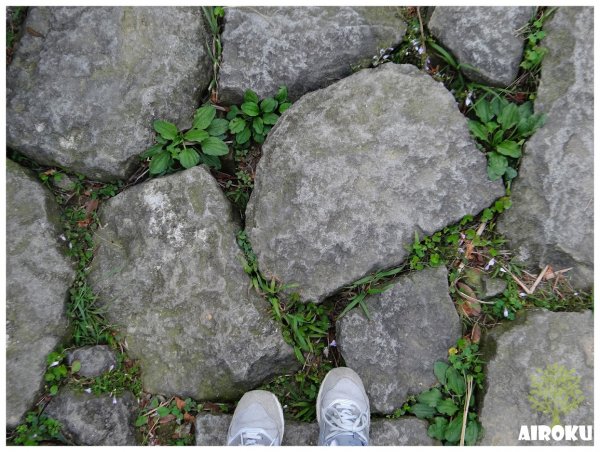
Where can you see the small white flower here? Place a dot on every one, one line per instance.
(333, 343)
(88, 390)
(462, 236)
(114, 400)
(55, 363)
(491, 263)
(576, 293)
(420, 50)
(460, 250)
(111, 368)
(522, 294)
(502, 270)
(505, 312)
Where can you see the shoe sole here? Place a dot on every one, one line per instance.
(331, 373)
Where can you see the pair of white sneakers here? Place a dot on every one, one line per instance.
(343, 414)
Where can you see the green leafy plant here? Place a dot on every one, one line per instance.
(254, 118)
(555, 391)
(126, 376)
(534, 53)
(501, 128)
(239, 190)
(203, 143)
(56, 372)
(36, 429)
(213, 16)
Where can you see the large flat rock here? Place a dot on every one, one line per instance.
(38, 277)
(86, 83)
(413, 324)
(211, 430)
(485, 38)
(516, 352)
(305, 48)
(552, 217)
(168, 270)
(351, 172)
(89, 420)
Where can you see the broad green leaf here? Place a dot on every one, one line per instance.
(268, 105)
(195, 135)
(250, 96)
(236, 125)
(210, 160)
(163, 411)
(214, 146)
(53, 390)
(423, 411)
(509, 116)
(525, 110)
(439, 369)
(455, 381)
(270, 118)
(497, 165)
(430, 397)
(141, 420)
(509, 148)
(160, 162)
(498, 137)
(496, 105)
(233, 112)
(510, 173)
(161, 140)
(282, 94)
(49, 377)
(478, 129)
(189, 158)
(204, 116)
(284, 106)
(76, 366)
(454, 430)
(257, 124)
(151, 151)
(437, 430)
(258, 138)
(218, 127)
(483, 110)
(243, 136)
(472, 433)
(491, 126)
(166, 129)
(447, 406)
(250, 108)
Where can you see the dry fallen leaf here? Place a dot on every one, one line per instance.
(187, 417)
(470, 307)
(166, 419)
(476, 333)
(180, 403)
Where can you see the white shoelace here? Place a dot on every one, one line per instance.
(253, 437)
(342, 418)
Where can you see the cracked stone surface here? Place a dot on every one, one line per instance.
(483, 37)
(333, 203)
(552, 217)
(95, 360)
(89, 420)
(85, 85)
(413, 324)
(38, 277)
(211, 430)
(168, 271)
(304, 48)
(514, 352)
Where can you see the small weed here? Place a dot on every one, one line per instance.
(501, 128)
(534, 53)
(203, 143)
(238, 191)
(56, 372)
(253, 120)
(37, 429)
(214, 16)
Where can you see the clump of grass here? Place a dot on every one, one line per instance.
(126, 376)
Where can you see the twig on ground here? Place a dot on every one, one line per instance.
(466, 410)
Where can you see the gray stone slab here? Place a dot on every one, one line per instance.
(38, 277)
(485, 38)
(94, 360)
(89, 420)
(413, 324)
(552, 217)
(350, 173)
(305, 48)
(168, 270)
(519, 352)
(406, 431)
(86, 83)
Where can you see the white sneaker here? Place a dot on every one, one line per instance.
(257, 421)
(343, 409)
